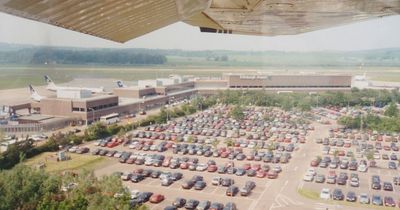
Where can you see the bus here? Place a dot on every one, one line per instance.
(110, 119)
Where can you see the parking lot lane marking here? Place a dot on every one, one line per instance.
(301, 185)
(274, 206)
(284, 185)
(284, 201)
(297, 203)
(254, 204)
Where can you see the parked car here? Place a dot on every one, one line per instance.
(156, 198)
(232, 190)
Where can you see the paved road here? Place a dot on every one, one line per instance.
(280, 194)
(283, 193)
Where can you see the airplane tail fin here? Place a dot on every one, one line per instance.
(49, 81)
(34, 94)
(120, 84)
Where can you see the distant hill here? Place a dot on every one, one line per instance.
(29, 54)
(17, 54)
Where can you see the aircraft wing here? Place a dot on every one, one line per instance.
(122, 20)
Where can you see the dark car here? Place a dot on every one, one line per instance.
(376, 185)
(176, 176)
(341, 181)
(170, 208)
(377, 200)
(137, 178)
(389, 201)
(240, 172)
(200, 185)
(216, 206)
(221, 169)
(155, 174)
(96, 151)
(232, 190)
(147, 172)
(230, 206)
(203, 205)
(251, 172)
(226, 182)
(82, 150)
(250, 184)
(387, 186)
(351, 196)
(188, 184)
(392, 165)
(197, 178)
(192, 204)
(337, 194)
(179, 202)
(145, 196)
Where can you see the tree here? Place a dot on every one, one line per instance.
(215, 143)
(26, 188)
(1, 135)
(392, 110)
(229, 142)
(335, 153)
(369, 155)
(237, 112)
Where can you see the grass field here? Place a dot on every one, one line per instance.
(20, 76)
(315, 196)
(77, 162)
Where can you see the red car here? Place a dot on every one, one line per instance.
(184, 165)
(256, 167)
(166, 161)
(156, 198)
(112, 144)
(212, 168)
(246, 166)
(261, 174)
(389, 201)
(314, 162)
(250, 157)
(272, 175)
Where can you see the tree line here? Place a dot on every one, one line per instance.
(28, 188)
(81, 57)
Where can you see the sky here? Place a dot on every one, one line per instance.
(373, 34)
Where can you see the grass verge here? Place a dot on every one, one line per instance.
(77, 162)
(310, 194)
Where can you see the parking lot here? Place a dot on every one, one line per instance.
(260, 146)
(348, 160)
(274, 149)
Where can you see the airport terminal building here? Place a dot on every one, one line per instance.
(81, 106)
(287, 81)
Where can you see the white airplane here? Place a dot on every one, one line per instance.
(35, 95)
(53, 87)
(121, 84)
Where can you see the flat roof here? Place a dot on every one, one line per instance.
(35, 117)
(92, 98)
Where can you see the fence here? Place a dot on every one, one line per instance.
(35, 127)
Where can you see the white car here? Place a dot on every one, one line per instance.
(201, 167)
(73, 149)
(134, 194)
(308, 177)
(362, 168)
(311, 171)
(325, 194)
(216, 181)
